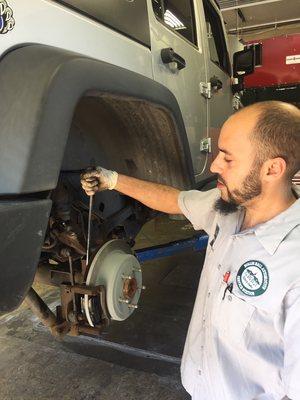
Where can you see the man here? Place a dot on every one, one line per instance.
(243, 342)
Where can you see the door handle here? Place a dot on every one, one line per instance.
(216, 83)
(168, 55)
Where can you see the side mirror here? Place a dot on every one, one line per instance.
(243, 62)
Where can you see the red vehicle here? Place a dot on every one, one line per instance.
(277, 70)
(277, 73)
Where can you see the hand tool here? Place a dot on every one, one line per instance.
(89, 230)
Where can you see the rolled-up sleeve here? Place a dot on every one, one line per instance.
(198, 207)
(292, 343)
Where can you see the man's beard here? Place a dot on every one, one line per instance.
(225, 207)
(250, 188)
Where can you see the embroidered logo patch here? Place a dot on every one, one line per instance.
(7, 21)
(253, 278)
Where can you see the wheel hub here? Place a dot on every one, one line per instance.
(129, 288)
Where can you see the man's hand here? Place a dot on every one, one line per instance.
(97, 180)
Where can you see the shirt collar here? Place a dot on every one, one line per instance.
(273, 232)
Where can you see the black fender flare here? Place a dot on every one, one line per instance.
(40, 87)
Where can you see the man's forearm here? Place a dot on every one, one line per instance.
(154, 195)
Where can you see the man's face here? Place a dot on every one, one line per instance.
(238, 172)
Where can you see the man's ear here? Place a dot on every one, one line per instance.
(274, 169)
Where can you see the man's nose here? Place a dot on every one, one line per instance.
(215, 167)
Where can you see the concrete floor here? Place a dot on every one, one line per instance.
(134, 360)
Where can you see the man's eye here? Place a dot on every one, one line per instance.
(227, 160)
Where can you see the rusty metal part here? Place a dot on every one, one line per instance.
(130, 287)
(75, 316)
(50, 242)
(71, 270)
(70, 238)
(43, 312)
(70, 318)
(51, 275)
(65, 235)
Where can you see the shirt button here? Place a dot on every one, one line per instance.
(219, 266)
(208, 294)
(199, 371)
(229, 297)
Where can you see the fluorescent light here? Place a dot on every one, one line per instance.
(171, 20)
(240, 4)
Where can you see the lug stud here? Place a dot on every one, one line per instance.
(123, 300)
(126, 277)
(133, 306)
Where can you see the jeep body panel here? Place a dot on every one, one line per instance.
(184, 83)
(203, 116)
(53, 24)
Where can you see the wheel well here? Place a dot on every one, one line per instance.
(133, 136)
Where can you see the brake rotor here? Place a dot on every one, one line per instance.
(116, 268)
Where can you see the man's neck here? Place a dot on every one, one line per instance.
(267, 206)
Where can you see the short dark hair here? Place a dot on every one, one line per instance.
(277, 134)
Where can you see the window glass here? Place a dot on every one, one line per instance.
(178, 15)
(129, 18)
(216, 40)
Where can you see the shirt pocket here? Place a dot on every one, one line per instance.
(232, 319)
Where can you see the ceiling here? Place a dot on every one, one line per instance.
(259, 19)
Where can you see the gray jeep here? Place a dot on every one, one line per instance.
(141, 87)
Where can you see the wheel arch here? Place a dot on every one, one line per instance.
(44, 92)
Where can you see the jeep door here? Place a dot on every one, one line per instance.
(176, 24)
(219, 72)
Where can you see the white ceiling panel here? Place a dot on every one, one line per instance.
(268, 17)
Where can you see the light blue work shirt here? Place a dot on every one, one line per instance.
(243, 341)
